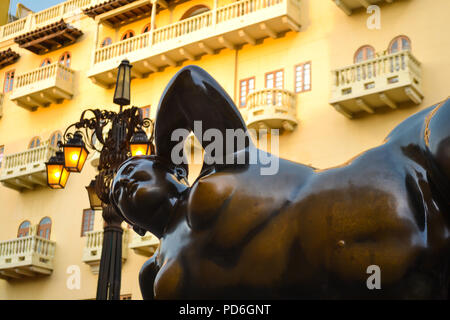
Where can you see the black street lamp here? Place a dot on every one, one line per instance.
(124, 138)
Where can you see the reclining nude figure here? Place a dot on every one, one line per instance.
(301, 233)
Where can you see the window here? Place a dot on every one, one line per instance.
(364, 53)
(145, 112)
(146, 28)
(34, 143)
(127, 35)
(303, 77)
(106, 42)
(65, 59)
(246, 87)
(55, 137)
(44, 228)
(9, 81)
(399, 43)
(87, 222)
(125, 297)
(24, 229)
(194, 11)
(275, 80)
(2, 151)
(45, 62)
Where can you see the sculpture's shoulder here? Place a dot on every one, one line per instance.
(207, 196)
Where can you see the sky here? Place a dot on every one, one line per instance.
(35, 5)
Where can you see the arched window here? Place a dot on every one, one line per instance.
(364, 53)
(194, 11)
(146, 28)
(127, 35)
(65, 59)
(106, 42)
(55, 137)
(34, 143)
(24, 229)
(399, 43)
(45, 62)
(44, 228)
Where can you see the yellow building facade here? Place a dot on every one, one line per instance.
(333, 76)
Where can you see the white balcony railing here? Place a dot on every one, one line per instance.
(144, 245)
(43, 86)
(271, 109)
(92, 251)
(235, 24)
(383, 81)
(26, 257)
(42, 18)
(26, 169)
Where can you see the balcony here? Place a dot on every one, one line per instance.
(43, 86)
(231, 26)
(271, 109)
(42, 18)
(26, 170)
(144, 245)
(92, 251)
(29, 256)
(348, 6)
(384, 82)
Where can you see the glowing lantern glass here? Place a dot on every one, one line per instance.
(57, 174)
(140, 145)
(75, 153)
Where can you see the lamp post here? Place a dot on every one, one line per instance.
(121, 135)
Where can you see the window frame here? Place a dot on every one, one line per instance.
(188, 13)
(102, 45)
(303, 76)
(366, 46)
(11, 82)
(49, 228)
(48, 60)
(64, 55)
(247, 86)
(90, 221)
(125, 33)
(57, 132)
(402, 36)
(32, 140)
(2, 154)
(274, 81)
(28, 229)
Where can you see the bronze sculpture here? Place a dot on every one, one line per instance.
(302, 233)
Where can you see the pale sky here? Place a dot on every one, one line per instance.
(35, 5)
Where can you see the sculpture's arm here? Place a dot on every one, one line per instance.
(147, 277)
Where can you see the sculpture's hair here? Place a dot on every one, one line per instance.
(161, 162)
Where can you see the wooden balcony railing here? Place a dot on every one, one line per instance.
(26, 257)
(26, 169)
(47, 16)
(383, 81)
(43, 86)
(229, 26)
(271, 109)
(92, 251)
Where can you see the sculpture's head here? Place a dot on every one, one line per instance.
(146, 189)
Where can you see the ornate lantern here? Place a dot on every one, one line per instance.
(75, 153)
(57, 174)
